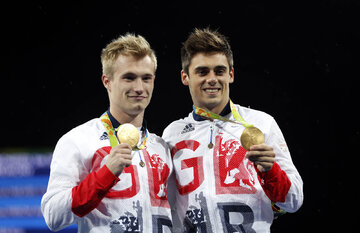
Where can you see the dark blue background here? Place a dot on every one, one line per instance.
(296, 60)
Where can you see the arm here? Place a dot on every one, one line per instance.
(72, 191)
(88, 194)
(66, 170)
(277, 173)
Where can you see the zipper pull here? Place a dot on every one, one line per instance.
(211, 145)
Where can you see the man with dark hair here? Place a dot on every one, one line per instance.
(232, 163)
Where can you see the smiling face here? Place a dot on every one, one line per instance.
(131, 85)
(208, 80)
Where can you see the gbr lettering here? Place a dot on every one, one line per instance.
(158, 172)
(232, 176)
(196, 164)
(232, 173)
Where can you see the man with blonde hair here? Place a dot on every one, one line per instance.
(101, 182)
(231, 163)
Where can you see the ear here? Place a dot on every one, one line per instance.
(231, 75)
(106, 81)
(184, 78)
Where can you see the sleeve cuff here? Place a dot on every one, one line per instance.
(106, 178)
(274, 171)
(275, 183)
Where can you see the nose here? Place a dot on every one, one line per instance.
(138, 86)
(211, 79)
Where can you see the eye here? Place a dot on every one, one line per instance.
(129, 77)
(220, 71)
(202, 71)
(147, 77)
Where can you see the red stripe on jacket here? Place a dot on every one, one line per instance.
(89, 193)
(275, 183)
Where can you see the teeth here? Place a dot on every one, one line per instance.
(211, 90)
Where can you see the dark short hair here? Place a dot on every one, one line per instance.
(205, 41)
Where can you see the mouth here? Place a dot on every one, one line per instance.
(211, 90)
(137, 97)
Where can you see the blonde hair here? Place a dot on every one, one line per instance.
(128, 45)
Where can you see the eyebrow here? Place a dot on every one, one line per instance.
(199, 68)
(128, 74)
(220, 67)
(131, 74)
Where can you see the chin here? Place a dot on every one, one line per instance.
(210, 104)
(137, 108)
(212, 100)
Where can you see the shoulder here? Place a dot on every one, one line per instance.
(177, 126)
(265, 122)
(91, 125)
(81, 142)
(253, 116)
(155, 139)
(249, 112)
(156, 146)
(82, 133)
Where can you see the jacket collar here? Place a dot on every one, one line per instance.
(224, 112)
(116, 124)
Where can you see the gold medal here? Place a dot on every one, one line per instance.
(142, 164)
(128, 134)
(251, 136)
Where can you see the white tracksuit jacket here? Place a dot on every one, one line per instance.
(218, 188)
(82, 190)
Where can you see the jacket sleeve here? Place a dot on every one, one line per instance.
(88, 194)
(275, 183)
(69, 178)
(282, 183)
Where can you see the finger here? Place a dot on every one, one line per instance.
(123, 146)
(121, 150)
(126, 156)
(262, 160)
(254, 154)
(260, 168)
(127, 162)
(125, 159)
(263, 166)
(118, 155)
(261, 147)
(126, 146)
(269, 153)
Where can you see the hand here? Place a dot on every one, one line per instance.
(263, 156)
(119, 157)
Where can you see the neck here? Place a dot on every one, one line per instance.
(122, 117)
(216, 109)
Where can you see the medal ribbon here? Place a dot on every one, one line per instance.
(210, 115)
(111, 132)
